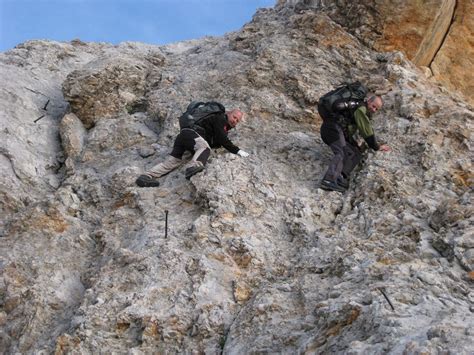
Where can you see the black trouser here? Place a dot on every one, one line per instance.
(346, 155)
(188, 139)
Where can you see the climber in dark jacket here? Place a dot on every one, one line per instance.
(211, 132)
(215, 130)
(340, 123)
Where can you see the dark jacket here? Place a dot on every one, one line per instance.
(352, 118)
(214, 130)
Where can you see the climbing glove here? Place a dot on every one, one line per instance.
(242, 153)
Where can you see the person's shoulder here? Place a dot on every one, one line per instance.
(221, 117)
(362, 109)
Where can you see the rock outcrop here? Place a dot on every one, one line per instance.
(454, 58)
(255, 258)
(435, 34)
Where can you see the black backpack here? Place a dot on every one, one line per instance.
(197, 111)
(355, 92)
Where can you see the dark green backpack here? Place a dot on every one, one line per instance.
(355, 92)
(197, 111)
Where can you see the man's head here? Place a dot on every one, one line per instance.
(234, 117)
(374, 103)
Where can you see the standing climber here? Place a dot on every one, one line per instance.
(346, 111)
(209, 131)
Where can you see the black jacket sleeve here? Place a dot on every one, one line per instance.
(372, 142)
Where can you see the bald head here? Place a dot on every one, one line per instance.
(234, 117)
(374, 103)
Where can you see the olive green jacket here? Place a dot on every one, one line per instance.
(363, 125)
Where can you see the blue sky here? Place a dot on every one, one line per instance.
(115, 21)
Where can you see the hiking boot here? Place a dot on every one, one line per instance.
(147, 181)
(193, 170)
(331, 186)
(343, 182)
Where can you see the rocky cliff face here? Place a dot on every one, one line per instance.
(436, 35)
(255, 258)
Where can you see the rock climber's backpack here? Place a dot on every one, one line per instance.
(197, 111)
(355, 92)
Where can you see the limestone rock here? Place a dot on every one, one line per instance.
(454, 58)
(72, 135)
(433, 33)
(105, 88)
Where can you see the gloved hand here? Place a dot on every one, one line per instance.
(242, 153)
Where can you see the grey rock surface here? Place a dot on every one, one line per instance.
(257, 259)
